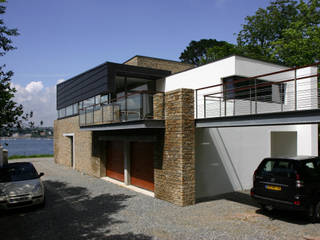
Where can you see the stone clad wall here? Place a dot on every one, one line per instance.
(157, 63)
(175, 180)
(158, 106)
(84, 160)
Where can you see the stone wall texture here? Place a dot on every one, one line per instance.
(158, 106)
(84, 160)
(157, 63)
(175, 180)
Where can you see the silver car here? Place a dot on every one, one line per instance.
(20, 186)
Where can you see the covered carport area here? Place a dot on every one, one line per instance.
(228, 149)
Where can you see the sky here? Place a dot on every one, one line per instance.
(62, 38)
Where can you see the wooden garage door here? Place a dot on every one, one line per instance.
(142, 165)
(115, 161)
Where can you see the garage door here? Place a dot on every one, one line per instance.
(115, 161)
(142, 165)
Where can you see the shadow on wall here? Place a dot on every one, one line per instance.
(212, 177)
(70, 213)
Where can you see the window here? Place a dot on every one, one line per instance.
(88, 102)
(104, 98)
(311, 168)
(62, 112)
(75, 108)
(267, 167)
(69, 111)
(284, 169)
(237, 87)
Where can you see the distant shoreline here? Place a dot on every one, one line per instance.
(22, 137)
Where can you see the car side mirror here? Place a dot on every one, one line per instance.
(41, 174)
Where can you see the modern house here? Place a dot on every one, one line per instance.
(139, 123)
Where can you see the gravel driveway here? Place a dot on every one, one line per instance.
(83, 207)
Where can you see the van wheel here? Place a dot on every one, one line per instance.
(314, 212)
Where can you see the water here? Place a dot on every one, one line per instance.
(28, 146)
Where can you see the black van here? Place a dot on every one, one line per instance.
(291, 183)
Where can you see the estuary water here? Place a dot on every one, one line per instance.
(28, 146)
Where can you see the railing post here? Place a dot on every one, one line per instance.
(102, 120)
(255, 96)
(220, 106)
(281, 97)
(204, 106)
(93, 114)
(85, 116)
(295, 90)
(141, 107)
(234, 107)
(250, 101)
(225, 107)
(196, 103)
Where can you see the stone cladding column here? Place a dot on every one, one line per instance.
(175, 179)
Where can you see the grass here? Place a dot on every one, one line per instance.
(30, 156)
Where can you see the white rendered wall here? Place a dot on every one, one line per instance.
(227, 157)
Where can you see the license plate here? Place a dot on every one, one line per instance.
(274, 188)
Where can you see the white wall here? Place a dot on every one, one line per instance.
(227, 157)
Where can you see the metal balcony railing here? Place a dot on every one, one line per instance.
(287, 90)
(137, 105)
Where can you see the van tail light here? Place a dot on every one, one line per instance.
(297, 203)
(299, 183)
(254, 175)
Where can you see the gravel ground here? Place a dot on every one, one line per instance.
(83, 207)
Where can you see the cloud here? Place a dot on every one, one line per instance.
(34, 87)
(39, 99)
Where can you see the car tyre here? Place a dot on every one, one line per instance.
(314, 212)
(43, 204)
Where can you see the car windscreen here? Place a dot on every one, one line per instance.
(311, 168)
(18, 173)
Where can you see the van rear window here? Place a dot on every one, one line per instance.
(311, 168)
(278, 168)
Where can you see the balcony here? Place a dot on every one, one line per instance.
(138, 109)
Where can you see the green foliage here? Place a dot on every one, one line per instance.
(286, 32)
(10, 111)
(206, 50)
(5, 34)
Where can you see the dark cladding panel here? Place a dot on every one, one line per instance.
(100, 80)
(83, 86)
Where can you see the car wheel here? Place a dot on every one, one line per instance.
(43, 204)
(316, 214)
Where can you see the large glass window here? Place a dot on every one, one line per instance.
(69, 110)
(237, 87)
(75, 108)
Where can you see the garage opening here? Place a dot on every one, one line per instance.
(115, 160)
(283, 144)
(141, 170)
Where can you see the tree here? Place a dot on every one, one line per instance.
(10, 111)
(206, 50)
(286, 32)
